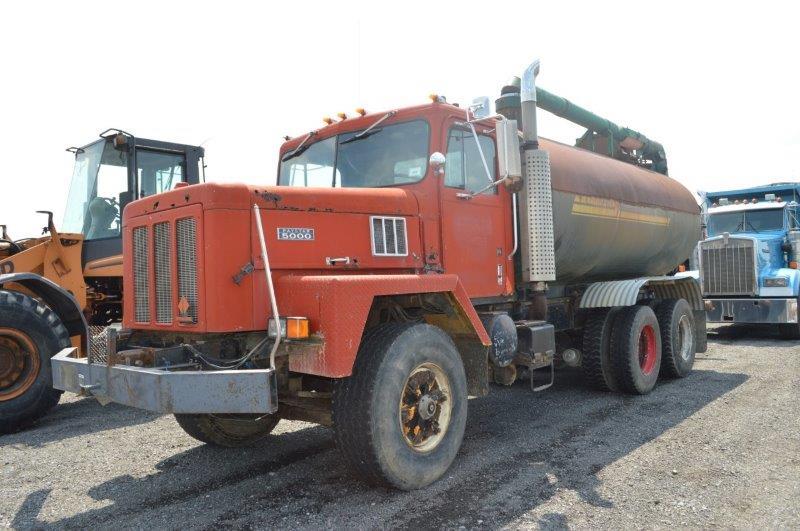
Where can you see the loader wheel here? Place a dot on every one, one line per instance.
(678, 345)
(596, 362)
(636, 349)
(30, 333)
(399, 419)
(229, 431)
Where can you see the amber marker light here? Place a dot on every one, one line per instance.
(341, 115)
(328, 120)
(361, 111)
(296, 328)
(291, 327)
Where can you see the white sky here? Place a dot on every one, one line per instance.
(716, 83)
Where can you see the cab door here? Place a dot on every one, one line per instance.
(474, 228)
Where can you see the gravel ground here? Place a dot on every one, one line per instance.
(720, 448)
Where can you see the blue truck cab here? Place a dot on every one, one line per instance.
(748, 262)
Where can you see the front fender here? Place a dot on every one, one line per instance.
(337, 307)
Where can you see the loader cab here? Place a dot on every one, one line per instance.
(115, 170)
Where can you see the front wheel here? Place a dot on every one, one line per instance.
(399, 418)
(229, 431)
(789, 331)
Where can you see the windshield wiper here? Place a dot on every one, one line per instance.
(369, 130)
(299, 150)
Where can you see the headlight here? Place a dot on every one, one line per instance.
(777, 282)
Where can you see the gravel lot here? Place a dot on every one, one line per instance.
(718, 449)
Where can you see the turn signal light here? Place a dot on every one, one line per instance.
(793, 265)
(291, 328)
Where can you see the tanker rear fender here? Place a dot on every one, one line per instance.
(627, 292)
(630, 292)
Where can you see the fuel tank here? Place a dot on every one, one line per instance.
(613, 220)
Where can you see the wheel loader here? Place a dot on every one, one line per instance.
(65, 286)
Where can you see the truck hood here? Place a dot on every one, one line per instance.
(386, 201)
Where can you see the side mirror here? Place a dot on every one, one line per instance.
(481, 108)
(437, 161)
(508, 158)
(124, 198)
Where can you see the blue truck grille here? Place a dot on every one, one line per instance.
(728, 267)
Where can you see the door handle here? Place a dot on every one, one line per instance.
(333, 261)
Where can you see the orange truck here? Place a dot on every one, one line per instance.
(404, 261)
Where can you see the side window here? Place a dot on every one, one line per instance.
(464, 168)
(158, 172)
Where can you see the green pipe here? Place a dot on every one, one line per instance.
(562, 107)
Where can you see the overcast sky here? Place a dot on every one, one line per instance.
(715, 83)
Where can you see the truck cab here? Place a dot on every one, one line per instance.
(748, 263)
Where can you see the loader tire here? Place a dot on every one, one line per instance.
(228, 431)
(399, 418)
(636, 349)
(678, 343)
(596, 361)
(30, 334)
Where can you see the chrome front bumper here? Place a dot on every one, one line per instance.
(754, 310)
(167, 391)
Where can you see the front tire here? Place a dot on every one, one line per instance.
(636, 350)
(399, 419)
(789, 331)
(30, 333)
(228, 431)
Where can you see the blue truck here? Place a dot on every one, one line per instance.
(748, 262)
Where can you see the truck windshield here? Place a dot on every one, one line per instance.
(389, 156)
(745, 221)
(99, 176)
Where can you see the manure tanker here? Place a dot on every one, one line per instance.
(404, 261)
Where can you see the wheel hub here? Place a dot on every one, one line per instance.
(685, 337)
(425, 408)
(19, 363)
(647, 349)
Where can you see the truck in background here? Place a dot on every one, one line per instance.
(403, 261)
(748, 262)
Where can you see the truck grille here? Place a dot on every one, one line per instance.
(178, 240)
(163, 256)
(187, 264)
(389, 236)
(141, 275)
(728, 267)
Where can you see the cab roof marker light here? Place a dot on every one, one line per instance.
(327, 119)
(361, 111)
(342, 116)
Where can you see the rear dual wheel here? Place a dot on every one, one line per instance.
(636, 349)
